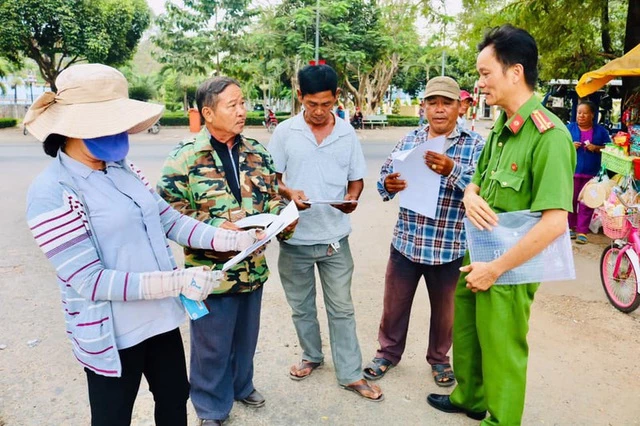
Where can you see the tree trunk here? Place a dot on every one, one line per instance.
(605, 25)
(631, 40)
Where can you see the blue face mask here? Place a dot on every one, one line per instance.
(109, 148)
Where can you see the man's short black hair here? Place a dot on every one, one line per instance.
(514, 46)
(317, 78)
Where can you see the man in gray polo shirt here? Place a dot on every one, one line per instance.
(321, 159)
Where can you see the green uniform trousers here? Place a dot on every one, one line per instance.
(490, 350)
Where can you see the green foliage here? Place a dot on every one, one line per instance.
(402, 121)
(254, 118)
(395, 109)
(196, 33)
(573, 36)
(141, 92)
(8, 122)
(174, 119)
(173, 106)
(59, 33)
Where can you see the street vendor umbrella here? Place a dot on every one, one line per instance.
(625, 66)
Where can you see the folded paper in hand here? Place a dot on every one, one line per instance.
(287, 216)
(554, 263)
(423, 184)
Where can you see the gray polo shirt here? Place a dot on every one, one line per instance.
(321, 171)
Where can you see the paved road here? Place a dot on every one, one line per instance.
(584, 364)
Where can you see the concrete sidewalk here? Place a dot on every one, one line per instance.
(389, 134)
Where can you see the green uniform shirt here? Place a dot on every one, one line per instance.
(193, 182)
(527, 162)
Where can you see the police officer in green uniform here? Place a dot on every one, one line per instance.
(527, 163)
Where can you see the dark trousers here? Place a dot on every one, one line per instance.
(161, 360)
(401, 281)
(223, 344)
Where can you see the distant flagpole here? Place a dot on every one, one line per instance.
(317, 31)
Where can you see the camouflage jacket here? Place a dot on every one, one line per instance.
(193, 182)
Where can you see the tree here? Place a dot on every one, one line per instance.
(363, 40)
(573, 36)
(200, 31)
(59, 33)
(631, 40)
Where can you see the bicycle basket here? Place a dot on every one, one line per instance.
(634, 219)
(614, 227)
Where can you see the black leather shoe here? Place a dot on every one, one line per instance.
(443, 403)
(210, 422)
(255, 399)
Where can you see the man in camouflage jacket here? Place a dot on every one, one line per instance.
(219, 177)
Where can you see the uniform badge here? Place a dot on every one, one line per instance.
(514, 167)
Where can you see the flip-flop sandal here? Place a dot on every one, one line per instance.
(443, 376)
(362, 387)
(581, 239)
(373, 371)
(302, 365)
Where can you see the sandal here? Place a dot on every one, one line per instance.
(572, 234)
(443, 375)
(362, 385)
(303, 365)
(581, 239)
(374, 371)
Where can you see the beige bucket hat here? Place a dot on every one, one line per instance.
(92, 101)
(442, 86)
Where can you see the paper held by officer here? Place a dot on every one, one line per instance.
(423, 184)
(287, 216)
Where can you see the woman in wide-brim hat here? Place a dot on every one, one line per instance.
(105, 231)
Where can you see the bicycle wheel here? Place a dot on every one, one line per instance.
(621, 289)
(271, 127)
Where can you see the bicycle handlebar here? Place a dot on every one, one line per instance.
(617, 192)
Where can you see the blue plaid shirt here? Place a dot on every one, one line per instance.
(442, 239)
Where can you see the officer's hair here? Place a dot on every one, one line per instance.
(514, 46)
(590, 105)
(317, 78)
(54, 143)
(208, 91)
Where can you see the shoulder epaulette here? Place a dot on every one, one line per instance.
(541, 120)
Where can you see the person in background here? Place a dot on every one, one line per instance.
(220, 176)
(589, 138)
(465, 102)
(271, 117)
(421, 112)
(340, 112)
(357, 119)
(105, 231)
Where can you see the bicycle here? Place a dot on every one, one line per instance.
(620, 262)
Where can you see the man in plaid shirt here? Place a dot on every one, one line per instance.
(424, 247)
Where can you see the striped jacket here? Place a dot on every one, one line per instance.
(60, 225)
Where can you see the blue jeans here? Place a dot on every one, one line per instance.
(297, 274)
(223, 344)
